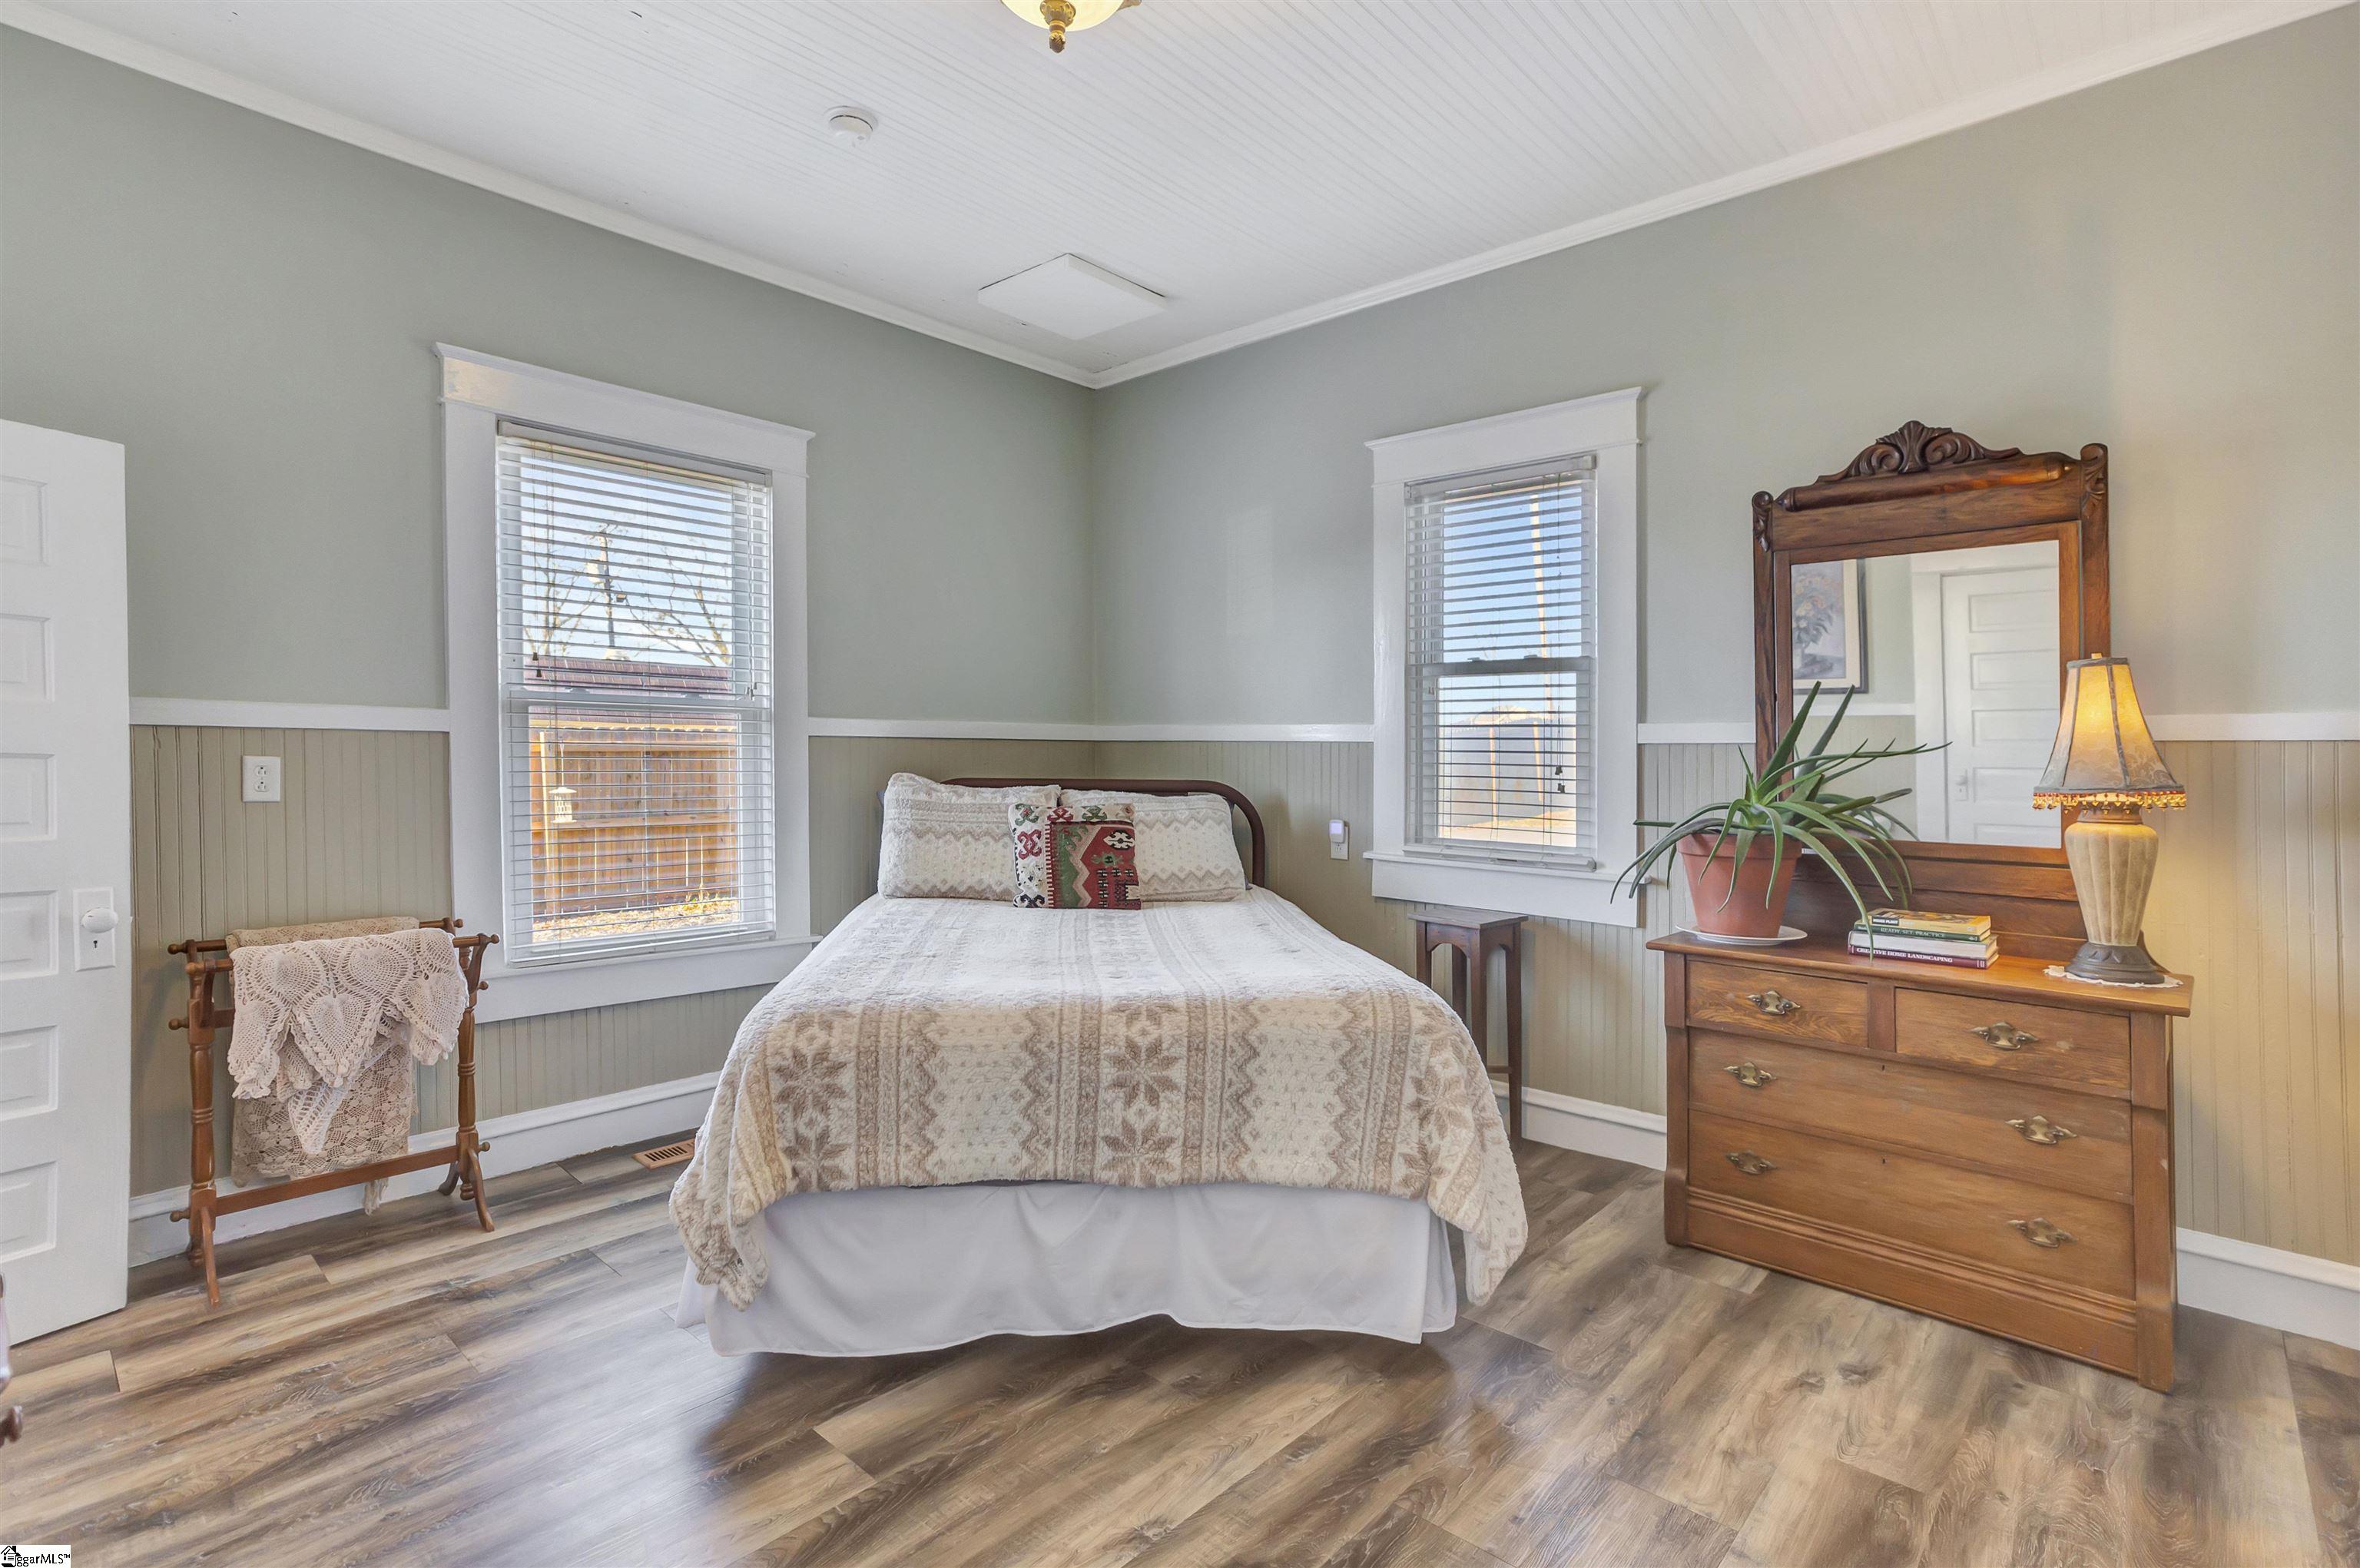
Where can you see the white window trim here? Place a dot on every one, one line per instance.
(1608, 426)
(478, 391)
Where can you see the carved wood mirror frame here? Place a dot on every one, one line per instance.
(1924, 488)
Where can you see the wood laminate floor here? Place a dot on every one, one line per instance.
(408, 1389)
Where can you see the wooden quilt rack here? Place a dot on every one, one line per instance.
(208, 961)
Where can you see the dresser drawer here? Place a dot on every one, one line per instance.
(2062, 1046)
(1776, 1002)
(1965, 1215)
(2029, 1130)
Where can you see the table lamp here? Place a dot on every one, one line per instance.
(2105, 764)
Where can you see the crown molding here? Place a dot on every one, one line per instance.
(182, 72)
(2142, 54)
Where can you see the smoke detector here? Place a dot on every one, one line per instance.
(850, 125)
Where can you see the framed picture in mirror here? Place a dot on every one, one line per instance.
(1829, 642)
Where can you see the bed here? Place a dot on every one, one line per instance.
(958, 1118)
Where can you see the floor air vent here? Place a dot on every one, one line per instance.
(667, 1154)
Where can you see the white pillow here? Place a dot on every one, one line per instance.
(950, 841)
(1187, 852)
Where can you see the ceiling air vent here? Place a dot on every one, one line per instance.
(1071, 298)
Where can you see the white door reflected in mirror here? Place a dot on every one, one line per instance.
(1951, 647)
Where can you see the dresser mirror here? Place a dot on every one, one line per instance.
(1944, 584)
(1953, 647)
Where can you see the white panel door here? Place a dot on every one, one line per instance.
(65, 880)
(1999, 673)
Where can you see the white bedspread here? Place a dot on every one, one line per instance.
(907, 1269)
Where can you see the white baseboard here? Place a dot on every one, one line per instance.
(518, 1141)
(1615, 1132)
(2265, 1284)
(2289, 1291)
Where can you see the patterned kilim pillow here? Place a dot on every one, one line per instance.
(1081, 858)
(1186, 851)
(949, 841)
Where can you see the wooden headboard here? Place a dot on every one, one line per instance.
(1258, 873)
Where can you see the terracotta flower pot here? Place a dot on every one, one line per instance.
(1757, 905)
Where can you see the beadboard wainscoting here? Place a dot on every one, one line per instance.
(2259, 897)
(364, 827)
(361, 828)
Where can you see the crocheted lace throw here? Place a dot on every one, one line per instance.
(319, 930)
(314, 1016)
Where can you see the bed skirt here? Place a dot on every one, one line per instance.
(880, 1271)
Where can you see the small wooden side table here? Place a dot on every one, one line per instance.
(1473, 935)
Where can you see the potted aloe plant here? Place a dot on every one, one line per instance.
(1739, 854)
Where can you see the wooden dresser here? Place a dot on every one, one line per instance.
(1990, 1146)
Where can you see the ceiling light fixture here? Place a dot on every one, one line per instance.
(1063, 17)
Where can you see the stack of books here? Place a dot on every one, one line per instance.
(1963, 940)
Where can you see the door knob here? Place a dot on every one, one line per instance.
(99, 922)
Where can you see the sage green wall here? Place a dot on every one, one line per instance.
(2183, 282)
(2168, 264)
(250, 308)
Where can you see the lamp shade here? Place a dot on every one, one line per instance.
(2104, 755)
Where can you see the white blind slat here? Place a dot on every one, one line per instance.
(636, 697)
(1502, 617)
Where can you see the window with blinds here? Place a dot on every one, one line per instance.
(1500, 645)
(637, 705)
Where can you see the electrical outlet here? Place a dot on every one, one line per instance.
(1339, 840)
(261, 775)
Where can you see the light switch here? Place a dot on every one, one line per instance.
(95, 923)
(1339, 840)
(261, 775)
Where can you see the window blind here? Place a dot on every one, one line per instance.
(637, 705)
(1502, 643)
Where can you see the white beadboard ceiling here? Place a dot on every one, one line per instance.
(1261, 163)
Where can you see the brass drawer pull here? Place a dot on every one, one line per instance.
(1752, 1077)
(1772, 1004)
(2005, 1036)
(2040, 1233)
(2040, 1130)
(1753, 1164)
